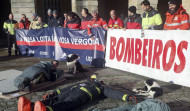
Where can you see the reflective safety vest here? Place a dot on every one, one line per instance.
(117, 23)
(177, 21)
(99, 22)
(40, 25)
(151, 20)
(9, 26)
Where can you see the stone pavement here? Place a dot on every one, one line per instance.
(177, 97)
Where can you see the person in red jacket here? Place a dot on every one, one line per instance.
(177, 17)
(134, 20)
(24, 23)
(115, 22)
(86, 17)
(65, 18)
(96, 21)
(74, 21)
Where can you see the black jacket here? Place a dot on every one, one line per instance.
(55, 22)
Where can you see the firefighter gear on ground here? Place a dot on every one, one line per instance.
(99, 22)
(24, 24)
(75, 96)
(117, 23)
(177, 21)
(151, 20)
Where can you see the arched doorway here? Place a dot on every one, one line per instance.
(41, 7)
(5, 8)
(163, 8)
(104, 7)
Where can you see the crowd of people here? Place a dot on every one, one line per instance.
(176, 19)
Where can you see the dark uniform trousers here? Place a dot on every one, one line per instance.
(73, 97)
(11, 41)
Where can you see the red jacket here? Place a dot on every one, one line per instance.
(99, 22)
(177, 21)
(133, 22)
(117, 23)
(24, 24)
(74, 24)
(85, 21)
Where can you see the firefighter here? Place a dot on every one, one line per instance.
(134, 20)
(177, 17)
(96, 21)
(40, 72)
(40, 24)
(49, 18)
(65, 18)
(34, 21)
(56, 20)
(73, 21)
(86, 17)
(151, 19)
(24, 23)
(9, 27)
(115, 22)
(72, 97)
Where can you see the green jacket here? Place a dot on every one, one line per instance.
(10, 26)
(152, 20)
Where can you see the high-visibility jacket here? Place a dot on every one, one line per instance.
(33, 24)
(10, 26)
(85, 21)
(117, 23)
(40, 25)
(74, 24)
(151, 20)
(99, 22)
(177, 21)
(133, 22)
(24, 24)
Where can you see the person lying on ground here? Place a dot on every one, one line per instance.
(40, 72)
(73, 97)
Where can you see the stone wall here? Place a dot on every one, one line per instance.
(186, 5)
(20, 7)
(78, 5)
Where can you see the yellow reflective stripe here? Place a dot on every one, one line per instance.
(5, 25)
(124, 97)
(58, 91)
(73, 87)
(116, 25)
(50, 109)
(121, 27)
(85, 90)
(98, 89)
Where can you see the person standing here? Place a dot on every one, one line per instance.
(49, 19)
(73, 21)
(34, 21)
(86, 17)
(151, 19)
(134, 20)
(96, 21)
(9, 27)
(40, 24)
(176, 17)
(24, 23)
(65, 14)
(56, 20)
(115, 22)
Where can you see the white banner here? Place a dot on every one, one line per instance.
(161, 55)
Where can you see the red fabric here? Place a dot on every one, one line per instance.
(74, 24)
(25, 25)
(84, 25)
(65, 22)
(117, 23)
(133, 25)
(99, 22)
(179, 20)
